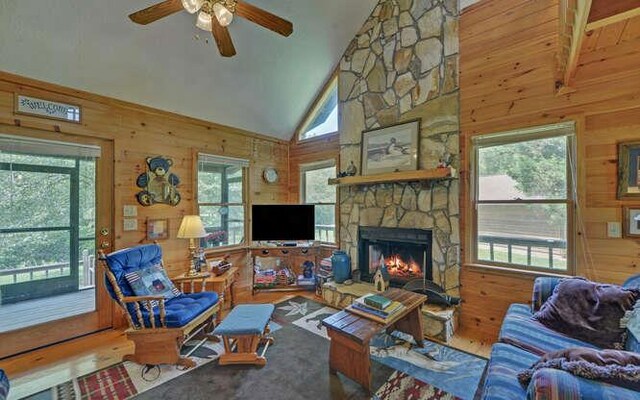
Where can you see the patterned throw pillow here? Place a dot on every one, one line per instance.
(152, 281)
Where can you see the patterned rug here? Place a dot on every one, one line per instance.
(400, 369)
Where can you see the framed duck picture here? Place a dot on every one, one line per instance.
(391, 149)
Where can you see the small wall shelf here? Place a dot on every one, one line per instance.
(402, 176)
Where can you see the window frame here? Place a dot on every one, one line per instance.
(516, 136)
(244, 164)
(315, 105)
(313, 166)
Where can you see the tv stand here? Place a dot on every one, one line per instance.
(277, 259)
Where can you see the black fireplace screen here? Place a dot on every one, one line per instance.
(405, 252)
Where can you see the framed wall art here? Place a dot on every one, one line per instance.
(391, 149)
(631, 222)
(629, 170)
(158, 229)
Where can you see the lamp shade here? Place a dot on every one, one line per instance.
(191, 227)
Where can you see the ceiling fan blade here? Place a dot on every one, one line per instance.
(156, 11)
(264, 18)
(223, 39)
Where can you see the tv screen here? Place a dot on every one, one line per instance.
(283, 222)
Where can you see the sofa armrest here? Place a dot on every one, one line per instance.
(542, 289)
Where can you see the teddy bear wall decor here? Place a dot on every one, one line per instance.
(158, 184)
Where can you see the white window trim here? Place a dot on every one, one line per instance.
(522, 135)
(312, 167)
(313, 109)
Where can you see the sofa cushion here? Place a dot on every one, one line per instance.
(617, 367)
(501, 382)
(183, 309)
(4, 385)
(554, 384)
(521, 330)
(588, 311)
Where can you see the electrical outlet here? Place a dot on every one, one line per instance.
(614, 230)
(130, 224)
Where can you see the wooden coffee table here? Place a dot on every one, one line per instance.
(350, 335)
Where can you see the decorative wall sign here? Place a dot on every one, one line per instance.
(46, 108)
(158, 184)
(391, 149)
(629, 170)
(631, 223)
(158, 229)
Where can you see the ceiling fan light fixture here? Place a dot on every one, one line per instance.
(192, 6)
(204, 21)
(222, 13)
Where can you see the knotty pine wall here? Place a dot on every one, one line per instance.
(507, 75)
(138, 132)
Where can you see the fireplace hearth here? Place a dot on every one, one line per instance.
(405, 252)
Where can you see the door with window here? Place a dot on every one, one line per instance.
(55, 211)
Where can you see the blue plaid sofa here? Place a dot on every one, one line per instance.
(523, 340)
(4, 385)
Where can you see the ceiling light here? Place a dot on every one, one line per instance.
(223, 14)
(192, 6)
(204, 21)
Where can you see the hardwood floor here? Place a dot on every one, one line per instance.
(35, 371)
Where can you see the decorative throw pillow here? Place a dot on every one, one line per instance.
(620, 368)
(588, 311)
(152, 281)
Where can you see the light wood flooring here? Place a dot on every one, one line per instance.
(33, 372)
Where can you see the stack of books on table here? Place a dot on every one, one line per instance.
(376, 307)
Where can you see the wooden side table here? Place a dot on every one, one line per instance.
(223, 284)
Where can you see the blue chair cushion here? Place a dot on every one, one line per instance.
(4, 385)
(501, 381)
(521, 330)
(246, 319)
(555, 384)
(128, 260)
(183, 309)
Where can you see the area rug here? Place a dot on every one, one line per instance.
(297, 368)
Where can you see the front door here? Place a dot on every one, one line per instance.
(55, 211)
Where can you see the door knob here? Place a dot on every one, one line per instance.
(104, 245)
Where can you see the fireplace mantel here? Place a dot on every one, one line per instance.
(402, 176)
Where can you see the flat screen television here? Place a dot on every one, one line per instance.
(284, 222)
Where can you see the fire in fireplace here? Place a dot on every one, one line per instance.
(405, 252)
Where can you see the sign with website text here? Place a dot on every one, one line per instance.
(47, 109)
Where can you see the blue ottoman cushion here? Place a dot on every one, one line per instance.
(246, 319)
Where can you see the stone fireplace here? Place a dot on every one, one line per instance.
(405, 252)
(401, 66)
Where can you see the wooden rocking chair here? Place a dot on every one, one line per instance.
(159, 327)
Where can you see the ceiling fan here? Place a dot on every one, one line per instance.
(214, 16)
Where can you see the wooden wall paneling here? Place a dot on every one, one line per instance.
(139, 132)
(506, 82)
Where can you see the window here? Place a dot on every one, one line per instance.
(323, 118)
(316, 190)
(524, 198)
(221, 199)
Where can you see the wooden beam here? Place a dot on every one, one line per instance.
(573, 21)
(607, 12)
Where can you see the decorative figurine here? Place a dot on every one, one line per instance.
(352, 170)
(307, 269)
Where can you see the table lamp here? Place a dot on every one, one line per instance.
(192, 228)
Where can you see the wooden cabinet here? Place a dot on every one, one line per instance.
(268, 262)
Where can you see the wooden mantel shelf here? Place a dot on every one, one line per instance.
(402, 176)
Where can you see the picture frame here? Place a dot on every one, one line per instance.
(392, 148)
(629, 170)
(631, 222)
(158, 229)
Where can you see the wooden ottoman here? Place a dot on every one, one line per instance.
(243, 331)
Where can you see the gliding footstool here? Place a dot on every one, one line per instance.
(243, 331)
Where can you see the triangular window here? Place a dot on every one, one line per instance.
(323, 118)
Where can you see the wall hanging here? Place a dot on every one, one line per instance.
(629, 170)
(158, 184)
(391, 149)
